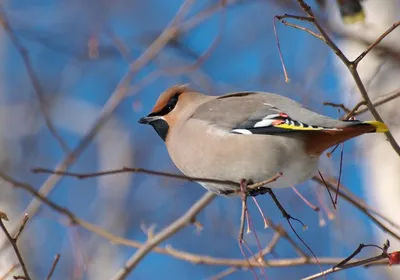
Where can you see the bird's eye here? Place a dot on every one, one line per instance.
(168, 107)
(172, 103)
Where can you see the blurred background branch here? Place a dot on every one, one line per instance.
(80, 74)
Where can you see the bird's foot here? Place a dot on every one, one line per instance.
(244, 191)
(257, 191)
(226, 192)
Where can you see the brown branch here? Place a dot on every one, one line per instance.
(352, 65)
(358, 206)
(302, 28)
(167, 232)
(8, 273)
(21, 228)
(380, 101)
(53, 266)
(152, 172)
(172, 71)
(374, 44)
(363, 262)
(259, 257)
(193, 258)
(173, 228)
(224, 273)
(37, 86)
(337, 105)
(13, 243)
(132, 170)
(277, 228)
(351, 113)
(244, 264)
(364, 204)
(184, 255)
(121, 91)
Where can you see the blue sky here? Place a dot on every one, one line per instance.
(56, 33)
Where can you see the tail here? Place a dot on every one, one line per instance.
(319, 141)
(380, 127)
(351, 11)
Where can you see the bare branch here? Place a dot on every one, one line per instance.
(259, 257)
(337, 105)
(131, 170)
(363, 262)
(122, 88)
(37, 86)
(21, 228)
(193, 258)
(170, 230)
(352, 65)
(358, 206)
(257, 185)
(382, 99)
(8, 273)
(374, 44)
(53, 266)
(13, 243)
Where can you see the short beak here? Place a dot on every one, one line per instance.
(148, 119)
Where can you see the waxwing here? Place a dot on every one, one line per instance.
(246, 136)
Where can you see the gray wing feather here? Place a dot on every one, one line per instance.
(247, 108)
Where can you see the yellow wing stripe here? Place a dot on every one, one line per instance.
(297, 127)
(379, 127)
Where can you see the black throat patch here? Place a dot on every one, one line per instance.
(161, 127)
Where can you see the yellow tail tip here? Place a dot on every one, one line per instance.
(354, 18)
(379, 126)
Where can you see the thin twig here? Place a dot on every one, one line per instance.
(224, 273)
(337, 105)
(352, 66)
(285, 73)
(78, 175)
(8, 273)
(37, 86)
(53, 266)
(340, 173)
(194, 258)
(170, 230)
(240, 263)
(374, 44)
(182, 255)
(358, 206)
(362, 203)
(176, 176)
(306, 201)
(21, 228)
(288, 218)
(13, 243)
(309, 31)
(267, 250)
(358, 250)
(382, 99)
(132, 170)
(121, 91)
(363, 262)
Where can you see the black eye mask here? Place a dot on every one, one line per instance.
(167, 108)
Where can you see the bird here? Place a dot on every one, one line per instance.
(247, 135)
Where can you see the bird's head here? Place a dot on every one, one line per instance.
(166, 110)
